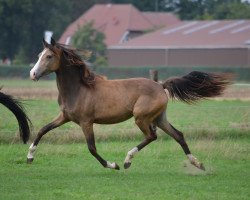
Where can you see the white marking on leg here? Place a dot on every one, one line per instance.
(111, 165)
(131, 154)
(193, 160)
(191, 157)
(31, 151)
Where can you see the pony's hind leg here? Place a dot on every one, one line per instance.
(150, 135)
(163, 124)
(58, 121)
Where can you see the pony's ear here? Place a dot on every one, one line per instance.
(52, 42)
(45, 44)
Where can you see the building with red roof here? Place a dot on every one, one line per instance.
(119, 22)
(189, 43)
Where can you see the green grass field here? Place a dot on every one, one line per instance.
(218, 133)
(68, 171)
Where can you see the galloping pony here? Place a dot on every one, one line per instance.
(86, 98)
(17, 109)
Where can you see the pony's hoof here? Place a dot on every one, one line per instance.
(202, 167)
(117, 167)
(127, 165)
(199, 166)
(30, 160)
(112, 165)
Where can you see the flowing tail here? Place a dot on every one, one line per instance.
(17, 109)
(197, 85)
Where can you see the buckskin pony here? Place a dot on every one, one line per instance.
(86, 98)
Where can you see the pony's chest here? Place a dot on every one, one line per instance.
(70, 113)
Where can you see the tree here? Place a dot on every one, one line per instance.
(92, 40)
(209, 9)
(235, 10)
(78, 7)
(195, 9)
(145, 5)
(22, 24)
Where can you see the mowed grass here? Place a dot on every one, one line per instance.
(68, 171)
(218, 133)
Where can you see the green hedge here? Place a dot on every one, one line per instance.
(17, 71)
(242, 73)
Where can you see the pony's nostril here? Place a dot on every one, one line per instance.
(33, 75)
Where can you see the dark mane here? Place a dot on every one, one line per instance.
(72, 57)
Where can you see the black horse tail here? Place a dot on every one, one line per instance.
(197, 85)
(17, 109)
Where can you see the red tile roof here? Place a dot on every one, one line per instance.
(161, 19)
(114, 20)
(214, 33)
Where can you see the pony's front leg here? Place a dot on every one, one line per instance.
(58, 121)
(90, 139)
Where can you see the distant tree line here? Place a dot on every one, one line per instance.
(196, 9)
(23, 22)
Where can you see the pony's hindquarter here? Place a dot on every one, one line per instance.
(189, 89)
(197, 85)
(17, 109)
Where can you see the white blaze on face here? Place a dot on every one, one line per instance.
(35, 69)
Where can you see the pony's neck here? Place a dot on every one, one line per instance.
(71, 78)
(68, 81)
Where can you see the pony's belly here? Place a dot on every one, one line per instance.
(112, 119)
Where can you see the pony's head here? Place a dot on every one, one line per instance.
(55, 56)
(48, 60)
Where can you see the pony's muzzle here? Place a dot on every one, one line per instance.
(33, 75)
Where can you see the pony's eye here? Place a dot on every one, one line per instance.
(49, 56)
